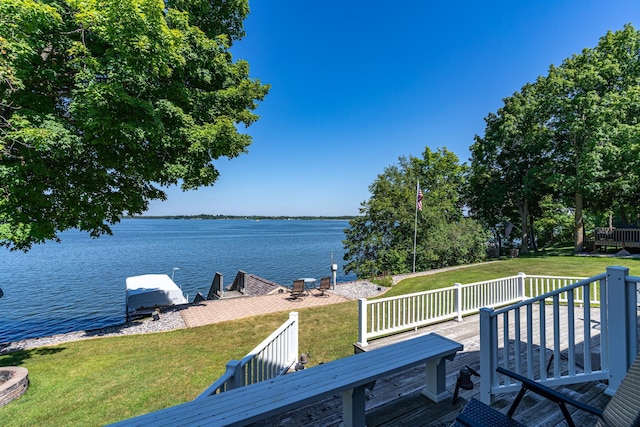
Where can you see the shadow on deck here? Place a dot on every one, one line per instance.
(397, 400)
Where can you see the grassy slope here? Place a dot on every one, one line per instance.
(551, 265)
(99, 381)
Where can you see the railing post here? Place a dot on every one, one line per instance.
(236, 380)
(458, 308)
(362, 322)
(522, 280)
(293, 346)
(622, 322)
(487, 370)
(488, 338)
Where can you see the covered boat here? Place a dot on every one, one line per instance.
(147, 292)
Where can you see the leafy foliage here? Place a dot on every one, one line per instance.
(569, 141)
(509, 164)
(380, 240)
(105, 102)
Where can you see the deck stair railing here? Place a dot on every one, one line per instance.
(538, 337)
(272, 357)
(385, 316)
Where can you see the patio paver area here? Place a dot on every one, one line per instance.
(216, 311)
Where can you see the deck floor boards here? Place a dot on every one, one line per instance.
(397, 401)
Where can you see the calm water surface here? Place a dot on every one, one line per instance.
(80, 283)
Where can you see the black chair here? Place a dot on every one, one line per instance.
(325, 285)
(623, 410)
(298, 290)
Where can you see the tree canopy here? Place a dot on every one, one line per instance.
(559, 153)
(380, 240)
(568, 142)
(104, 102)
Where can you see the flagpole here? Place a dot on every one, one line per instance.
(415, 228)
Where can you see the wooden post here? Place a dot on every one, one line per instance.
(293, 350)
(236, 380)
(488, 338)
(353, 407)
(522, 279)
(458, 292)
(436, 388)
(622, 317)
(362, 322)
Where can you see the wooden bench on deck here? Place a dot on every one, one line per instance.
(392, 339)
(350, 375)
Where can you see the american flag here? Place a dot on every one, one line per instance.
(508, 229)
(419, 202)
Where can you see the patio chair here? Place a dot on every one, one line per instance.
(325, 285)
(298, 290)
(623, 410)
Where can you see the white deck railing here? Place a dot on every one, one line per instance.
(272, 357)
(523, 338)
(526, 336)
(384, 316)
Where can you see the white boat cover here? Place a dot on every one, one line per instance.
(149, 291)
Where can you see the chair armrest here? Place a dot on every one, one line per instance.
(549, 393)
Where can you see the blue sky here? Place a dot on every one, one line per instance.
(357, 84)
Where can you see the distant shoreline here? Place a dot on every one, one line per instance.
(244, 217)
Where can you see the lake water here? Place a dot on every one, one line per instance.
(80, 283)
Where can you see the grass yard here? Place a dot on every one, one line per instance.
(538, 265)
(104, 380)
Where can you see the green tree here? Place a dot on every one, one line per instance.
(554, 222)
(105, 102)
(572, 138)
(508, 167)
(594, 99)
(380, 240)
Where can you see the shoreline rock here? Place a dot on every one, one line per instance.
(170, 319)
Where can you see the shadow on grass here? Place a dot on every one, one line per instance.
(17, 358)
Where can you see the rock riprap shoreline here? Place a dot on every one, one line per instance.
(170, 319)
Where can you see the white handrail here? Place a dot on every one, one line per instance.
(531, 337)
(539, 285)
(272, 357)
(526, 336)
(384, 316)
(390, 315)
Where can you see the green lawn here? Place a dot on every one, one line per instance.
(103, 380)
(549, 265)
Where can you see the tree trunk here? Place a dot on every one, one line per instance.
(532, 231)
(623, 216)
(523, 207)
(579, 224)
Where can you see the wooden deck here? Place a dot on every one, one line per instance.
(397, 401)
(617, 238)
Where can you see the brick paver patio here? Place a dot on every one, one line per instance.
(215, 311)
